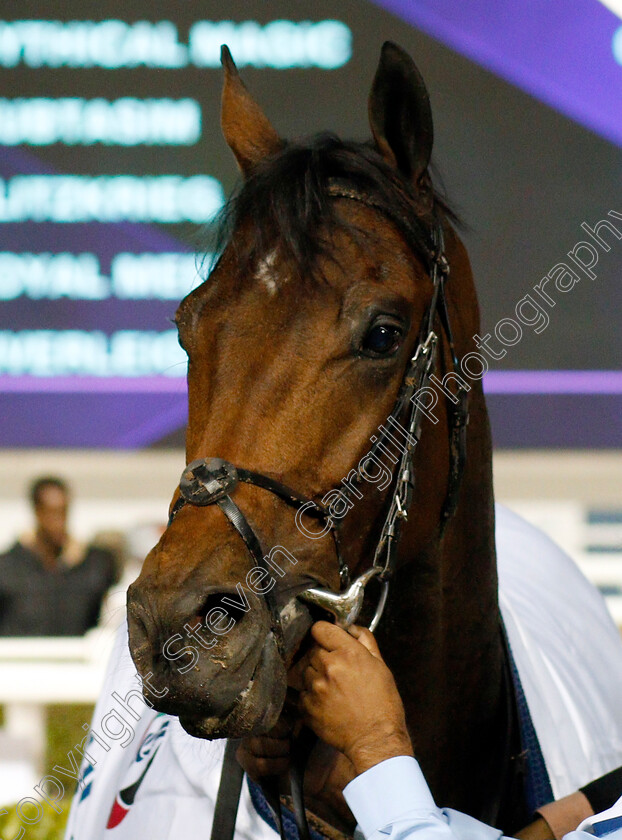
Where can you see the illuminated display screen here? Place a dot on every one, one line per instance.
(111, 159)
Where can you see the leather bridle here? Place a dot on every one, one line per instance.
(208, 481)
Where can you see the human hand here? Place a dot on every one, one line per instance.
(266, 755)
(349, 697)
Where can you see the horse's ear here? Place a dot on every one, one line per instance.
(247, 130)
(399, 113)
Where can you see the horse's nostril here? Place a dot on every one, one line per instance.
(229, 602)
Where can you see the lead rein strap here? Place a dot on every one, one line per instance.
(270, 788)
(228, 799)
(301, 750)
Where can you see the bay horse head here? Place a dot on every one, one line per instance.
(298, 346)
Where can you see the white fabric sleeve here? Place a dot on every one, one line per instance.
(392, 801)
(605, 824)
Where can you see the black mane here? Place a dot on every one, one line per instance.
(288, 197)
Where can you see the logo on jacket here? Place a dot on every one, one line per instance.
(147, 751)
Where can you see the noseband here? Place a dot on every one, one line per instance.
(208, 481)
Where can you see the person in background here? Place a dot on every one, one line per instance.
(348, 697)
(50, 585)
(131, 547)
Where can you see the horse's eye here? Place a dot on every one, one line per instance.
(381, 340)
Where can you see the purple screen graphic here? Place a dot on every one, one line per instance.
(567, 56)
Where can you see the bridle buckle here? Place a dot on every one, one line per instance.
(402, 513)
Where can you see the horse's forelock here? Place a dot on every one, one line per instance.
(286, 204)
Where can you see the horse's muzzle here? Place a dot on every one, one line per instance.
(225, 678)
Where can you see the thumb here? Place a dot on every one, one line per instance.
(366, 638)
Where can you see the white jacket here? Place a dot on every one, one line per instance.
(567, 650)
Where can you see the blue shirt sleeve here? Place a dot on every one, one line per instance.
(392, 801)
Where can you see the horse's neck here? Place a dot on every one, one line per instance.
(441, 637)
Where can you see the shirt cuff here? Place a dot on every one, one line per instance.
(386, 791)
(606, 822)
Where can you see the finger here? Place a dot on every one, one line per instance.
(367, 639)
(282, 728)
(262, 767)
(276, 766)
(309, 677)
(320, 660)
(315, 692)
(263, 747)
(294, 675)
(275, 749)
(307, 705)
(330, 637)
